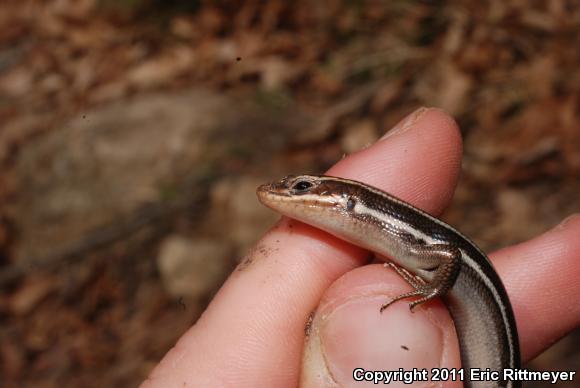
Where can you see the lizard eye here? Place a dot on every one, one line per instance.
(302, 186)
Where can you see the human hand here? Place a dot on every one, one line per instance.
(252, 334)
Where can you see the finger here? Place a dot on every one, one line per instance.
(252, 332)
(541, 277)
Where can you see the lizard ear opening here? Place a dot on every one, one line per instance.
(350, 204)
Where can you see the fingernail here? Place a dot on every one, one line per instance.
(355, 335)
(408, 122)
(566, 221)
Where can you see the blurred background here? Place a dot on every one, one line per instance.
(126, 125)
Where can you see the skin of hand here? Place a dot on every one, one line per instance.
(253, 332)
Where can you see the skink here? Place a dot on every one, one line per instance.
(433, 257)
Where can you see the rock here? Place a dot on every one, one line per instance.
(109, 162)
(106, 165)
(193, 268)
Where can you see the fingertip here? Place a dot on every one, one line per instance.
(420, 162)
(349, 318)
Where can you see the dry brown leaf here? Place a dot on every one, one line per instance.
(159, 70)
(32, 292)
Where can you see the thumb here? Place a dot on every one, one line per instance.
(351, 342)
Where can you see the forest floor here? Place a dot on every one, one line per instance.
(122, 121)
